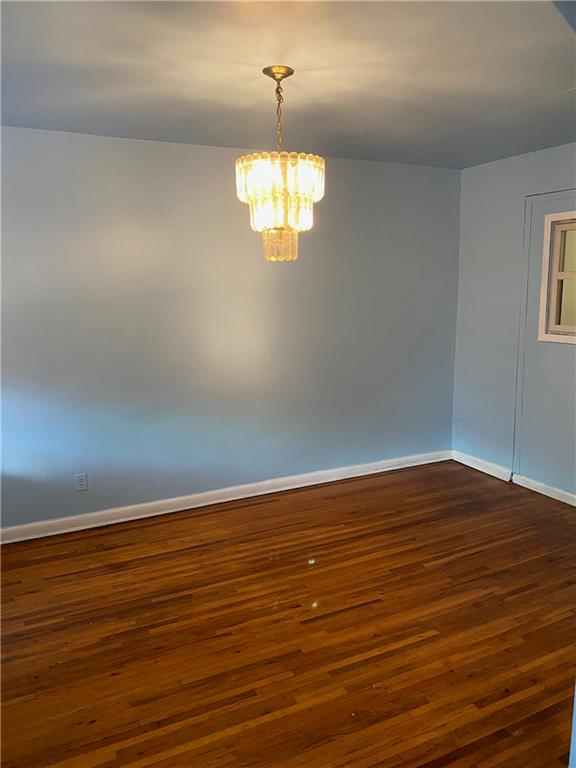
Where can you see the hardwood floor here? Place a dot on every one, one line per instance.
(423, 617)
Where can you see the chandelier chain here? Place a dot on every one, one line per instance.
(279, 99)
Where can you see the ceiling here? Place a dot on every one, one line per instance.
(437, 83)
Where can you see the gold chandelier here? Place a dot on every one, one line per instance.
(280, 187)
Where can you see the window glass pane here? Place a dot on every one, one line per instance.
(568, 256)
(567, 302)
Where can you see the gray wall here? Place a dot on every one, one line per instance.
(492, 284)
(147, 343)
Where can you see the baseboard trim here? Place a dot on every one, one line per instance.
(547, 490)
(505, 473)
(234, 493)
(496, 470)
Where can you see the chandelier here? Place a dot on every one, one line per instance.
(280, 187)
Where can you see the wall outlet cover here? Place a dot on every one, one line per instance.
(81, 481)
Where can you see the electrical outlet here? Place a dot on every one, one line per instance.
(81, 481)
(459, 426)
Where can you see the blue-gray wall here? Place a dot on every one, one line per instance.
(492, 284)
(545, 443)
(147, 343)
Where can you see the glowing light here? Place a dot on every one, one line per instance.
(280, 188)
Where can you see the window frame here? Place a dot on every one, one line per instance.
(554, 225)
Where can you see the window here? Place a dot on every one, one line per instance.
(558, 290)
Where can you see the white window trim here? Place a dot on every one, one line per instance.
(543, 333)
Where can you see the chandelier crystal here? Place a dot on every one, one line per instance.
(280, 188)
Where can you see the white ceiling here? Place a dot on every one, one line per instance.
(439, 83)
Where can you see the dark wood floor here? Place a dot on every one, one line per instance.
(423, 617)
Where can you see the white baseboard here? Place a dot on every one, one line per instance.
(497, 470)
(195, 500)
(547, 490)
(181, 503)
(505, 473)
